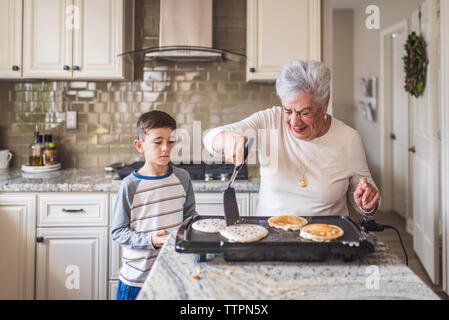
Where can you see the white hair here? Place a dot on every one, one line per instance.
(299, 77)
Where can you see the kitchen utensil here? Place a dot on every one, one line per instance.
(231, 210)
(278, 245)
(5, 157)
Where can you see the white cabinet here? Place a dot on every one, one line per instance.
(71, 263)
(72, 246)
(253, 200)
(17, 239)
(99, 39)
(47, 39)
(76, 39)
(11, 38)
(72, 209)
(279, 31)
(211, 204)
(112, 289)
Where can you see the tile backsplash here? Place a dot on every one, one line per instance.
(195, 94)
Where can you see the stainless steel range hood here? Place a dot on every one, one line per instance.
(185, 34)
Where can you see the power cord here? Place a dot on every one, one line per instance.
(369, 224)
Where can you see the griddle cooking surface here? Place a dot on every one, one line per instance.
(352, 233)
(278, 244)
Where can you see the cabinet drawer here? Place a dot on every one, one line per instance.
(78, 209)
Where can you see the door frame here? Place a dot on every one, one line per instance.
(386, 125)
(444, 38)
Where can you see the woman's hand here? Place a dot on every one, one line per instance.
(366, 196)
(232, 145)
(158, 238)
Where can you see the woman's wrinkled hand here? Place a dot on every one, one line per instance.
(232, 145)
(366, 196)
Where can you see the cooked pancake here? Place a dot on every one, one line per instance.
(321, 232)
(287, 222)
(209, 225)
(244, 232)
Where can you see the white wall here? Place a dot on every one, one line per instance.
(343, 70)
(367, 63)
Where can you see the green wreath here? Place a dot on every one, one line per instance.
(415, 65)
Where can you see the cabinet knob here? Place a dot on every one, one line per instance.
(412, 149)
(66, 67)
(40, 239)
(76, 68)
(252, 69)
(15, 68)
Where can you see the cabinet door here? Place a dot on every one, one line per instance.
(17, 229)
(47, 38)
(99, 39)
(253, 200)
(279, 31)
(71, 263)
(112, 290)
(72, 209)
(211, 204)
(11, 38)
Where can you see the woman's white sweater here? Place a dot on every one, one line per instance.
(333, 165)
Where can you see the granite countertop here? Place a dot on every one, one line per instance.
(95, 180)
(171, 277)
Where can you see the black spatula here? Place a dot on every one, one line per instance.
(231, 210)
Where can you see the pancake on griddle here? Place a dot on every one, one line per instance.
(209, 225)
(321, 232)
(244, 232)
(287, 223)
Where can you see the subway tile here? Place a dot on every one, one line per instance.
(86, 161)
(78, 84)
(96, 149)
(86, 94)
(152, 97)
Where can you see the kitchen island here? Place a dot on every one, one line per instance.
(380, 275)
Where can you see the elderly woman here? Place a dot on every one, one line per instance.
(321, 160)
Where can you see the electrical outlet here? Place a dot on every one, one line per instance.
(71, 120)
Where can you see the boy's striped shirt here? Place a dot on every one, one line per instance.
(147, 205)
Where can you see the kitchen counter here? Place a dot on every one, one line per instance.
(95, 180)
(172, 278)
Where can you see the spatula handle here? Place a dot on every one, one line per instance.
(248, 145)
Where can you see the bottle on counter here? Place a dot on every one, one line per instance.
(36, 150)
(49, 151)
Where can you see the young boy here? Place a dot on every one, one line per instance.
(152, 202)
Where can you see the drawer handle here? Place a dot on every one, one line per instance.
(72, 210)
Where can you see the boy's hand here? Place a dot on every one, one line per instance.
(159, 238)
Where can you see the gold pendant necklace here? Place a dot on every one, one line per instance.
(303, 182)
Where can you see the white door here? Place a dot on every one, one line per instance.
(47, 38)
(17, 229)
(10, 39)
(399, 107)
(71, 263)
(99, 39)
(425, 169)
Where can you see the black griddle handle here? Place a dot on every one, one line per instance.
(186, 226)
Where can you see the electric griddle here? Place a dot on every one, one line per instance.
(278, 245)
